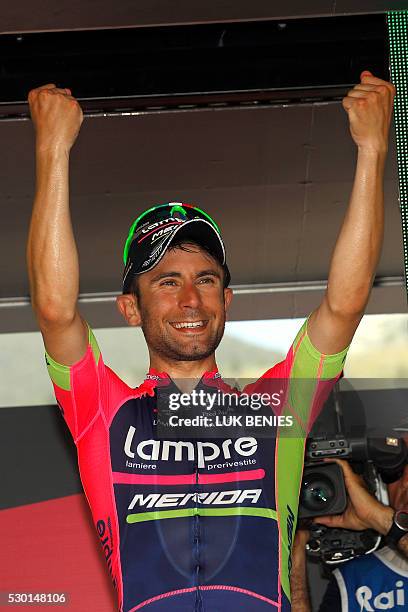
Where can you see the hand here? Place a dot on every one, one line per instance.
(363, 510)
(57, 117)
(369, 108)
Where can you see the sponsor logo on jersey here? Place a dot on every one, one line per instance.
(388, 600)
(104, 531)
(202, 452)
(166, 500)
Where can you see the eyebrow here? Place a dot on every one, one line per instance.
(209, 273)
(159, 277)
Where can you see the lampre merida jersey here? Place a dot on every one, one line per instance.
(191, 525)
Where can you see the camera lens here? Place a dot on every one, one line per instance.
(317, 492)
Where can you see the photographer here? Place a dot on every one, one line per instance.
(376, 581)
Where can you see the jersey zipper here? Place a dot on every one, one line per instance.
(199, 604)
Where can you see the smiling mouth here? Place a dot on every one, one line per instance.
(188, 325)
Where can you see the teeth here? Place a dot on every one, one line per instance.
(195, 324)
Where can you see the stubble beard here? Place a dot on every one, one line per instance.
(168, 348)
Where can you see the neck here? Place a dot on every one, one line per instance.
(183, 369)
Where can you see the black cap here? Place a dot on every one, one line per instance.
(153, 232)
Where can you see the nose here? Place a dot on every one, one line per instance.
(189, 295)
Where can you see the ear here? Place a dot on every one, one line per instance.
(227, 298)
(129, 309)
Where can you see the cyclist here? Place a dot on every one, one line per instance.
(191, 525)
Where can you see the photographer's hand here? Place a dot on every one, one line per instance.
(363, 511)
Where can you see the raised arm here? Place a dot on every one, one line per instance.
(355, 258)
(52, 257)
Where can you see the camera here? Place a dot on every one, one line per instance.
(371, 446)
(323, 492)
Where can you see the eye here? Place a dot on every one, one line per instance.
(169, 282)
(206, 280)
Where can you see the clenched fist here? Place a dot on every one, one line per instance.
(57, 117)
(369, 108)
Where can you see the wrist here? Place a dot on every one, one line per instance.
(52, 151)
(373, 151)
(399, 528)
(381, 519)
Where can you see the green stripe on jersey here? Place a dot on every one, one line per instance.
(59, 373)
(168, 514)
(308, 358)
(308, 368)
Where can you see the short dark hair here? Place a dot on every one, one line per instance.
(182, 244)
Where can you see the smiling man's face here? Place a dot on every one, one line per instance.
(182, 305)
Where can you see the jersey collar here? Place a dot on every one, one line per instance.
(213, 379)
(154, 374)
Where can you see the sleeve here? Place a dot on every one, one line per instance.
(331, 601)
(302, 382)
(77, 387)
(304, 379)
(307, 361)
(312, 375)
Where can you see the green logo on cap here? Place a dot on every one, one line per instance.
(179, 209)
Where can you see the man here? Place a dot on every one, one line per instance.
(377, 581)
(372, 581)
(182, 528)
